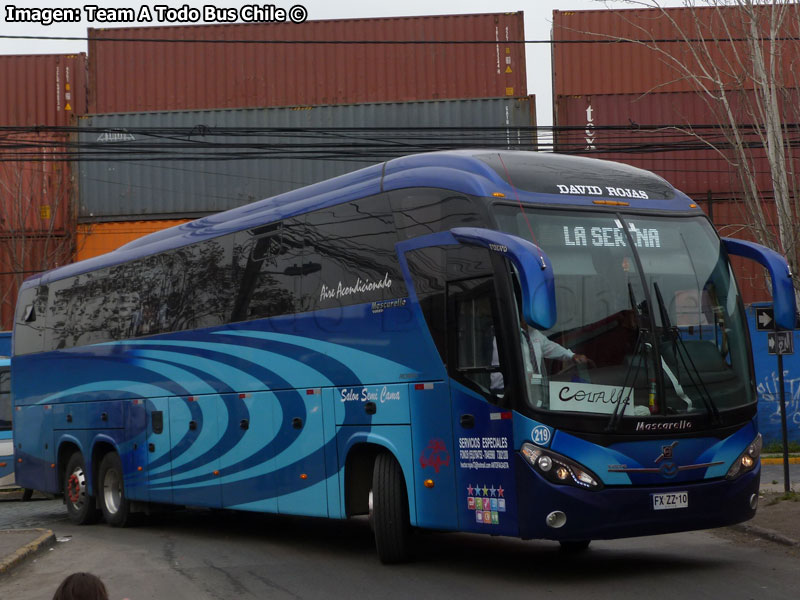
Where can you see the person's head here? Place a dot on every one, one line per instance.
(81, 586)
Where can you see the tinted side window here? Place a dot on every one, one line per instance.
(30, 320)
(351, 247)
(5, 399)
(268, 265)
(427, 268)
(421, 211)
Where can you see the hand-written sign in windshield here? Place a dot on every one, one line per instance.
(610, 237)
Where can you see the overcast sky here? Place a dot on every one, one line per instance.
(538, 21)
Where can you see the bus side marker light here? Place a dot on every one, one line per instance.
(423, 386)
(19, 460)
(216, 473)
(2, 464)
(243, 396)
(303, 476)
(429, 483)
(611, 202)
(498, 194)
(52, 465)
(139, 469)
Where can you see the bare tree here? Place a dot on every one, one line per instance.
(36, 229)
(740, 57)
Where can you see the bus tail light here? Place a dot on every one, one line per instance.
(747, 460)
(560, 469)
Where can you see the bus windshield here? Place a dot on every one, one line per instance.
(650, 307)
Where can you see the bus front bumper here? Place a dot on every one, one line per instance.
(619, 512)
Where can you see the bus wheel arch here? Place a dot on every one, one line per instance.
(358, 473)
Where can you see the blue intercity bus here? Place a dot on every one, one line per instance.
(511, 343)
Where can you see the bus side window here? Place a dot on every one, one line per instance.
(353, 245)
(474, 350)
(5, 399)
(427, 210)
(30, 320)
(427, 275)
(268, 266)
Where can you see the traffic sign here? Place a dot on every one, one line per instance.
(765, 318)
(780, 342)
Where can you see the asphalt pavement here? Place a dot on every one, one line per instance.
(777, 518)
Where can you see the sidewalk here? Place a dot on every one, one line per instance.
(16, 545)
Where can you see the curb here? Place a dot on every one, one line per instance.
(767, 534)
(793, 460)
(45, 540)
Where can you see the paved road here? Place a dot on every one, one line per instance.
(200, 555)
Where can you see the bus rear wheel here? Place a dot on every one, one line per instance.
(81, 508)
(115, 506)
(389, 515)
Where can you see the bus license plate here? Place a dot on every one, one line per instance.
(672, 500)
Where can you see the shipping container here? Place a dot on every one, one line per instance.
(327, 62)
(22, 256)
(599, 67)
(42, 89)
(35, 184)
(192, 163)
(99, 238)
(651, 134)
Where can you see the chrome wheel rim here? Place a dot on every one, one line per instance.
(76, 488)
(112, 491)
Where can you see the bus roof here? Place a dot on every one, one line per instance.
(530, 177)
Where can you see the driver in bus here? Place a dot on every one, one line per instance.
(536, 346)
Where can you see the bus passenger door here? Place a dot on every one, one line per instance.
(482, 424)
(300, 453)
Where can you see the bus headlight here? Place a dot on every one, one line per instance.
(559, 469)
(747, 460)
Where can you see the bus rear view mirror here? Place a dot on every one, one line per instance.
(783, 298)
(534, 268)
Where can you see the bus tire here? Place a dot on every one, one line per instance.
(81, 508)
(575, 546)
(111, 490)
(390, 511)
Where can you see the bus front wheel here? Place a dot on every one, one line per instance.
(80, 505)
(390, 511)
(115, 506)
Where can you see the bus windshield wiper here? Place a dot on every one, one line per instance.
(681, 353)
(641, 350)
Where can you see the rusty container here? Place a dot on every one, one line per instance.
(42, 89)
(341, 61)
(36, 187)
(585, 62)
(648, 131)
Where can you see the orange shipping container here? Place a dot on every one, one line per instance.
(99, 238)
(599, 67)
(42, 89)
(313, 69)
